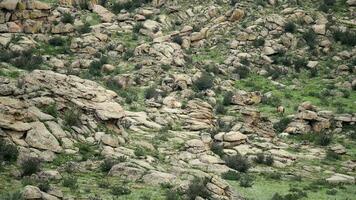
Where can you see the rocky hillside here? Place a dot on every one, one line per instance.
(178, 99)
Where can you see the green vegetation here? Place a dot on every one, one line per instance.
(8, 152)
(30, 166)
(238, 162)
(197, 188)
(129, 5)
(67, 18)
(205, 81)
(51, 109)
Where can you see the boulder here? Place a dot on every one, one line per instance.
(237, 15)
(341, 178)
(105, 14)
(9, 4)
(158, 178)
(234, 136)
(31, 192)
(39, 137)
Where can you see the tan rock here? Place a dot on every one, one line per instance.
(39, 137)
(237, 15)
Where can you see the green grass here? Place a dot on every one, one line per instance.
(308, 90)
(264, 189)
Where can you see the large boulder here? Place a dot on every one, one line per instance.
(39, 137)
(9, 4)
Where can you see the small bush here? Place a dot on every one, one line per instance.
(323, 139)
(84, 28)
(299, 63)
(70, 182)
(120, 190)
(282, 124)
(331, 155)
(129, 5)
(129, 53)
(231, 175)
(140, 151)
(329, 2)
(150, 93)
(173, 194)
(290, 27)
(197, 188)
(67, 18)
(30, 166)
(56, 41)
(274, 176)
(331, 191)
(246, 180)
(310, 38)
(237, 162)
(8, 152)
(345, 37)
(218, 149)
(72, 117)
(177, 39)
(44, 186)
(95, 66)
(242, 71)
(108, 164)
(260, 158)
(51, 109)
(233, 2)
(220, 109)
(227, 99)
(11, 196)
(259, 42)
(137, 27)
(272, 101)
(26, 60)
(87, 151)
(269, 160)
(204, 82)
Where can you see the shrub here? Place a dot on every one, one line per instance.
(310, 38)
(108, 164)
(177, 39)
(137, 27)
(282, 124)
(227, 99)
(217, 148)
(260, 158)
(67, 18)
(242, 71)
(72, 117)
(269, 160)
(274, 176)
(329, 2)
(272, 101)
(84, 28)
(345, 37)
(233, 2)
(44, 186)
(173, 194)
(299, 63)
(95, 66)
(56, 41)
(331, 155)
(26, 60)
(323, 139)
(259, 42)
(30, 166)
(246, 180)
(51, 109)
(290, 27)
(237, 162)
(331, 191)
(8, 152)
(120, 190)
(197, 188)
(11, 196)
(70, 182)
(220, 109)
(151, 93)
(231, 175)
(129, 53)
(87, 151)
(129, 5)
(140, 151)
(205, 81)
(6, 55)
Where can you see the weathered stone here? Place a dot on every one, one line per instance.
(237, 15)
(105, 14)
(31, 192)
(40, 137)
(234, 136)
(341, 178)
(9, 4)
(157, 178)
